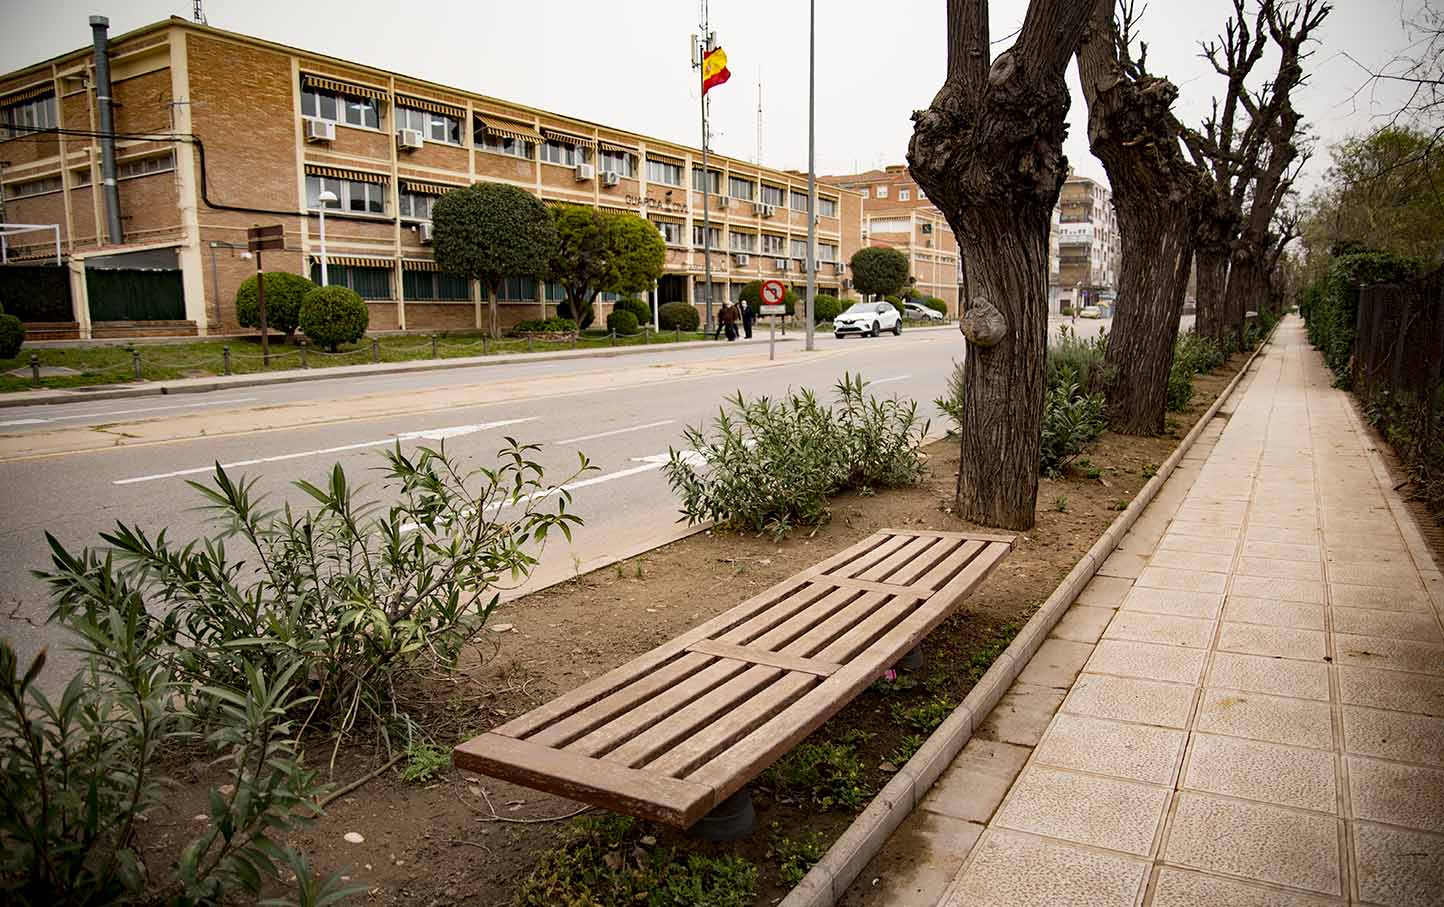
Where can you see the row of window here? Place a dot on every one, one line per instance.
(744, 189)
(737, 241)
(375, 283)
(78, 178)
(28, 116)
(903, 195)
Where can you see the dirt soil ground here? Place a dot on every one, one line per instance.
(465, 839)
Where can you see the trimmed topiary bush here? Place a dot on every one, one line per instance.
(678, 316)
(331, 316)
(12, 335)
(622, 322)
(825, 307)
(547, 326)
(897, 303)
(937, 305)
(284, 295)
(639, 309)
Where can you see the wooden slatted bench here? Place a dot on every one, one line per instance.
(674, 733)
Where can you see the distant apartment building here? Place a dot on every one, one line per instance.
(1085, 248)
(897, 213)
(216, 132)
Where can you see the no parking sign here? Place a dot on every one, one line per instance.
(773, 293)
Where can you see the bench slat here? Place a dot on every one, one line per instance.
(848, 582)
(763, 657)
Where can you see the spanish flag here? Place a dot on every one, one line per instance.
(714, 69)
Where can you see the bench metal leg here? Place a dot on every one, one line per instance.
(912, 661)
(730, 820)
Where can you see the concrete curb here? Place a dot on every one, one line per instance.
(831, 876)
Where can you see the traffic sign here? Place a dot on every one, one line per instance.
(260, 239)
(773, 296)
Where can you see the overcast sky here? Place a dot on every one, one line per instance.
(626, 63)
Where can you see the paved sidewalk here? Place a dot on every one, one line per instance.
(1246, 706)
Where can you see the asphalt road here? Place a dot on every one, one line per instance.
(90, 464)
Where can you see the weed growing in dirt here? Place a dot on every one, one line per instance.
(900, 683)
(1060, 503)
(926, 715)
(823, 774)
(424, 762)
(1120, 504)
(1150, 470)
(794, 858)
(603, 862)
(907, 747)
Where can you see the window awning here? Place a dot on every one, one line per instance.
(311, 80)
(567, 138)
(419, 264)
(27, 94)
(415, 103)
(345, 173)
(509, 130)
(426, 188)
(351, 261)
(666, 158)
(613, 146)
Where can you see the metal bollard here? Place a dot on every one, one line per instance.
(34, 370)
(646, 334)
(612, 338)
(304, 363)
(375, 350)
(226, 359)
(678, 335)
(485, 345)
(135, 362)
(528, 343)
(433, 346)
(574, 341)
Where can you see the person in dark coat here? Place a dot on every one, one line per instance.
(749, 316)
(727, 320)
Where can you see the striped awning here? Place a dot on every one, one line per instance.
(352, 261)
(419, 264)
(509, 130)
(567, 138)
(421, 188)
(613, 146)
(310, 80)
(345, 173)
(27, 94)
(663, 156)
(415, 103)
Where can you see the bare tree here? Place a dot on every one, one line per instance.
(989, 153)
(1158, 196)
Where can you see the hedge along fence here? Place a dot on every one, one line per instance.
(1331, 307)
(1398, 373)
(36, 293)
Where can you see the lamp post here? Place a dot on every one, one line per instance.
(325, 198)
(215, 276)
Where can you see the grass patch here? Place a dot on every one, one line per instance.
(925, 716)
(424, 762)
(826, 775)
(795, 857)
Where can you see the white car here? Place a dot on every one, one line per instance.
(919, 312)
(871, 318)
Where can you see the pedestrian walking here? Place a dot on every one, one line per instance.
(727, 321)
(749, 316)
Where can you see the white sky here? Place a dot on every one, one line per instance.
(628, 67)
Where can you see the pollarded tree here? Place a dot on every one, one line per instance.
(880, 270)
(489, 232)
(600, 251)
(1158, 195)
(989, 154)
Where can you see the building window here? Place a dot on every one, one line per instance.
(714, 181)
(772, 195)
(742, 242)
(498, 144)
(80, 178)
(664, 172)
(415, 205)
(368, 283)
(564, 153)
(922, 196)
(826, 252)
(741, 188)
(435, 285)
(327, 105)
(518, 289)
(799, 249)
(903, 195)
(29, 116)
(555, 292)
(882, 192)
(671, 230)
(890, 225)
(145, 166)
(773, 244)
(826, 207)
(33, 187)
(866, 193)
(714, 237)
(799, 201)
(436, 127)
(351, 195)
(619, 162)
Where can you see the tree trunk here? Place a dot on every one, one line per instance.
(1246, 278)
(494, 327)
(1211, 265)
(1156, 194)
(989, 153)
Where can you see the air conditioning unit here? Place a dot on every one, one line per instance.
(586, 172)
(742, 259)
(847, 285)
(423, 230)
(780, 264)
(409, 139)
(320, 131)
(759, 209)
(769, 210)
(611, 178)
(723, 201)
(839, 266)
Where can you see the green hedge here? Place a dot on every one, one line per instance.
(284, 294)
(545, 326)
(639, 309)
(937, 305)
(675, 316)
(1331, 308)
(36, 292)
(622, 322)
(331, 316)
(825, 307)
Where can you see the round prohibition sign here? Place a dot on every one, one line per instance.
(773, 292)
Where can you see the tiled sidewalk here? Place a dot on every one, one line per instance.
(1245, 708)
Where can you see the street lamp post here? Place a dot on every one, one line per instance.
(215, 276)
(325, 198)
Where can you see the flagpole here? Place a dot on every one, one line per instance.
(706, 206)
(811, 172)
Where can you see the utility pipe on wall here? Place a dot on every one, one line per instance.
(100, 31)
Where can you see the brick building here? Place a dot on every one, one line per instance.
(1089, 248)
(273, 127)
(897, 213)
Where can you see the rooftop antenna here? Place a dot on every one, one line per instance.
(758, 159)
(199, 14)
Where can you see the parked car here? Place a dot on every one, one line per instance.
(919, 312)
(1091, 311)
(870, 318)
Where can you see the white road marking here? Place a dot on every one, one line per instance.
(127, 412)
(619, 431)
(433, 434)
(886, 380)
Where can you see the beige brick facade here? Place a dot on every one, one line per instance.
(241, 99)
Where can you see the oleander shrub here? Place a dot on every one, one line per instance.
(937, 305)
(674, 316)
(622, 322)
(825, 307)
(770, 464)
(331, 316)
(556, 325)
(285, 294)
(1072, 357)
(1198, 354)
(12, 335)
(1071, 419)
(639, 309)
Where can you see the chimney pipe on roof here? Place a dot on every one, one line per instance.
(100, 29)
